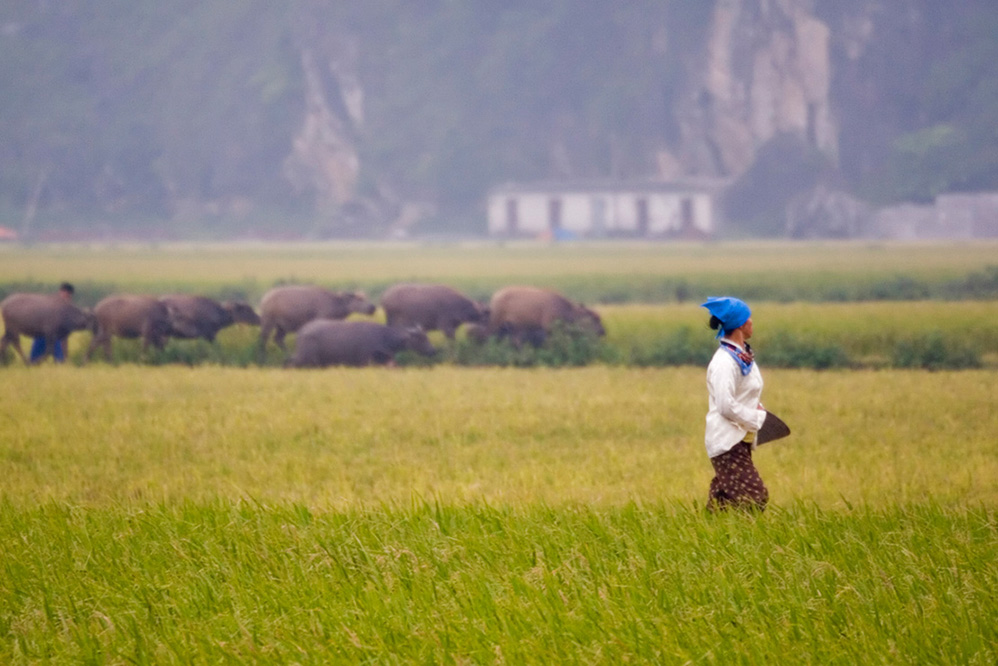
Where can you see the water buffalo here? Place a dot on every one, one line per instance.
(130, 316)
(434, 307)
(207, 316)
(47, 315)
(326, 342)
(284, 310)
(529, 313)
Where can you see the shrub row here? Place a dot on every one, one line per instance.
(603, 289)
(684, 346)
(681, 345)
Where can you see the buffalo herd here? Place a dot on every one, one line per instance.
(316, 315)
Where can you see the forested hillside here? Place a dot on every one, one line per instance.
(192, 118)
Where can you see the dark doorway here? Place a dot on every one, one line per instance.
(641, 209)
(598, 209)
(512, 216)
(554, 214)
(686, 215)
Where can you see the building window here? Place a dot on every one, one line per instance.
(554, 214)
(512, 216)
(641, 212)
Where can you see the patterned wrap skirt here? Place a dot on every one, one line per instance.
(736, 481)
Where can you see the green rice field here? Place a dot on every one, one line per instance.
(205, 512)
(593, 272)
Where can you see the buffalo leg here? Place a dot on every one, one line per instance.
(14, 342)
(266, 328)
(94, 341)
(536, 337)
(279, 334)
(153, 334)
(101, 339)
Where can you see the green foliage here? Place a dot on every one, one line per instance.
(784, 167)
(565, 346)
(977, 284)
(934, 351)
(197, 352)
(925, 121)
(955, 150)
(686, 346)
(900, 288)
(176, 101)
(786, 350)
(929, 162)
(681, 346)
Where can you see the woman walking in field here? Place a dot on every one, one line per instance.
(734, 415)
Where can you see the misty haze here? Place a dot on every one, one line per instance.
(564, 119)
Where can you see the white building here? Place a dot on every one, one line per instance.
(953, 215)
(641, 209)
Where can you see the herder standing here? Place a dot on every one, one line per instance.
(59, 347)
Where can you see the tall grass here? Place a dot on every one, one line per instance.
(489, 515)
(602, 434)
(434, 583)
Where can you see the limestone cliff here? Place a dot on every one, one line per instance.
(323, 159)
(765, 71)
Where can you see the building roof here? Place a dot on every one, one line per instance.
(648, 186)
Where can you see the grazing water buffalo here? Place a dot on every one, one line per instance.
(326, 342)
(284, 310)
(207, 316)
(46, 315)
(130, 316)
(529, 313)
(434, 307)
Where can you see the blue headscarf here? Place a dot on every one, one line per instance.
(730, 311)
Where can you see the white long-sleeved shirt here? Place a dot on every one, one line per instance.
(733, 402)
